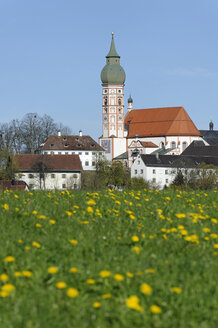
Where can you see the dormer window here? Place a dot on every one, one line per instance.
(65, 145)
(52, 144)
(64, 138)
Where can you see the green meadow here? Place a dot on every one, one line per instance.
(109, 259)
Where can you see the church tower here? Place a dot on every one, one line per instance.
(113, 78)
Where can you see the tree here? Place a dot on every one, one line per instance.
(137, 184)
(41, 167)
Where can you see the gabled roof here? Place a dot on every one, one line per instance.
(148, 144)
(198, 148)
(154, 122)
(70, 142)
(121, 156)
(30, 162)
(177, 161)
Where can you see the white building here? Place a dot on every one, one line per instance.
(89, 150)
(167, 128)
(49, 172)
(161, 170)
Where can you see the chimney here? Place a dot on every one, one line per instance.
(59, 133)
(80, 133)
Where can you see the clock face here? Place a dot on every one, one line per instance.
(120, 118)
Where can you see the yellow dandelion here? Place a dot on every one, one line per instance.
(145, 289)
(150, 270)
(52, 221)
(91, 202)
(3, 293)
(8, 287)
(137, 249)
(20, 241)
(106, 296)
(9, 259)
(27, 248)
(96, 305)
(118, 277)
(73, 241)
(129, 274)
(4, 277)
(18, 274)
(6, 207)
(155, 309)
(135, 238)
(132, 217)
(176, 290)
(72, 292)
(52, 270)
(180, 215)
(61, 285)
(132, 302)
(68, 213)
(27, 274)
(90, 281)
(35, 244)
(105, 273)
(74, 270)
(90, 210)
(215, 246)
(38, 225)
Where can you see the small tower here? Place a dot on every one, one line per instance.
(211, 125)
(130, 102)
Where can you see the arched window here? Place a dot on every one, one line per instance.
(173, 144)
(184, 145)
(119, 102)
(162, 145)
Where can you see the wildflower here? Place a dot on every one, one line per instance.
(129, 274)
(27, 274)
(180, 215)
(155, 309)
(135, 238)
(96, 305)
(90, 210)
(17, 274)
(73, 241)
(132, 217)
(61, 285)
(4, 277)
(105, 273)
(206, 229)
(118, 277)
(38, 225)
(3, 293)
(90, 281)
(149, 270)
(118, 202)
(52, 221)
(6, 207)
(215, 246)
(106, 296)
(72, 292)
(145, 289)
(42, 217)
(133, 303)
(8, 288)
(84, 222)
(91, 202)
(52, 270)
(9, 259)
(35, 244)
(68, 213)
(176, 290)
(34, 212)
(74, 270)
(20, 241)
(136, 249)
(27, 248)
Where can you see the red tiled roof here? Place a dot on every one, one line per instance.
(70, 142)
(148, 144)
(29, 162)
(154, 122)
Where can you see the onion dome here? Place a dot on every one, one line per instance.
(130, 101)
(113, 73)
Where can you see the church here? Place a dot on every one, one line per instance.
(167, 130)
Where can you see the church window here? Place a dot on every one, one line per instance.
(52, 175)
(63, 176)
(52, 144)
(162, 145)
(80, 153)
(86, 153)
(173, 144)
(119, 91)
(105, 101)
(66, 152)
(59, 153)
(184, 145)
(119, 102)
(154, 171)
(138, 162)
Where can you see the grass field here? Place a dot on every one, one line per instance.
(109, 259)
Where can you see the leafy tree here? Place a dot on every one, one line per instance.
(137, 184)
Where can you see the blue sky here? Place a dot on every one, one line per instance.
(52, 53)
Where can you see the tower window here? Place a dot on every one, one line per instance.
(119, 102)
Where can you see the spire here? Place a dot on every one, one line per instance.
(211, 126)
(112, 52)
